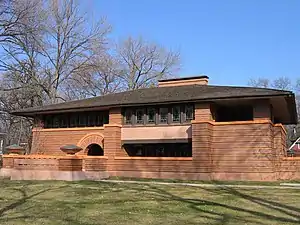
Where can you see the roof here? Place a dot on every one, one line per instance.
(158, 95)
(185, 78)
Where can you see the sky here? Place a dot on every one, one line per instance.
(231, 41)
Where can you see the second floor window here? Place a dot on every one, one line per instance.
(163, 115)
(189, 112)
(83, 119)
(128, 116)
(151, 113)
(176, 114)
(156, 115)
(140, 116)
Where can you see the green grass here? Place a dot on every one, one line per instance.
(256, 183)
(88, 202)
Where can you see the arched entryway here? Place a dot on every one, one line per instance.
(91, 140)
(94, 150)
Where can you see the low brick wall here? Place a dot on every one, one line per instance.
(247, 150)
(94, 163)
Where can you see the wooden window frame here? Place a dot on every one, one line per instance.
(155, 115)
(167, 115)
(185, 112)
(142, 121)
(130, 122)
(172, 114)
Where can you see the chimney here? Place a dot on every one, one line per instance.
(200, 80)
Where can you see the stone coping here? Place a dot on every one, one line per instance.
(54, 157)
(241, 123)
(297, 158)
(66, 129)
(156, 158)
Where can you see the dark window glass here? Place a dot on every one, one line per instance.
(105, 117)
(92, 119)
(74, 120)
(48, 122)
(63, 121)
(128, 117)
(189, 112)
(56, 121)
(234, 113)
(159, 150)
(99, 119)
(82, 119)
(151, 115)
(163, 115)
(176, 114)
(139, 116)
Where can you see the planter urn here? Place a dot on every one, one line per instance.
(70, 149)
(15, 149)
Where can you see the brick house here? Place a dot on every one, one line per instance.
(294, 149)
(182, 129)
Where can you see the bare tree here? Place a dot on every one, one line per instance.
(260, 82)
(101, 77)
(54, 42)
(133, 64)
(13, 14)
(143, 63)
(281, 83)
(52, 52)
(70, 43)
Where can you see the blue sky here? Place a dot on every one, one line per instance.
(231, 41)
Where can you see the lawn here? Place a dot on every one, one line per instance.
(88, 202)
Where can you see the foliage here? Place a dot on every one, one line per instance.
(52, 52)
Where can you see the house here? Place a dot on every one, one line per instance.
(294, 149)
(182, 129)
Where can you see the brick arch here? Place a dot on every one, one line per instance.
(92, 138)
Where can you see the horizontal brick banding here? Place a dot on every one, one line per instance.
(241, 150)
(49, 142)
(95, 163)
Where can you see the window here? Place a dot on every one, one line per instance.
(74, 120)
(189, 113)
(105, 116)
(176, 114)
(99, 119)
(128, 116)
(63, 121)
(92, 119)
(234, 113)
(163, 115)
(48, 122)
(139, 116)
(159, 150)
(55, 121)
(82, 119)
(151, 114)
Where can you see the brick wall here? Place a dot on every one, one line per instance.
(49, 141)
(115, 116)
(203, 112)
(242, 151)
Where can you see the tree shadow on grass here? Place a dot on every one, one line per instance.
(211, 211)
(276, 206)
(24, 198)
(221, 218)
